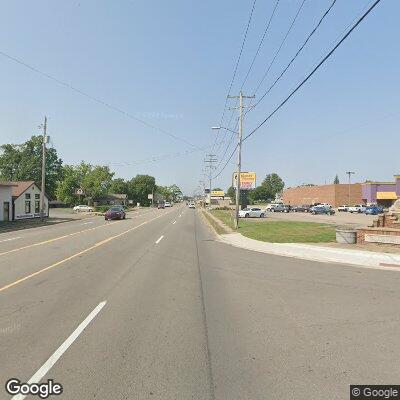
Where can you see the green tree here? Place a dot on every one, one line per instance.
(217, 189)
(140, 187)
(176, 192)
(97, 181)
(118, 185)
(336, 180)
(231, 193)
(273, 183)
(65, 191)
(23, 162)
(260, 193)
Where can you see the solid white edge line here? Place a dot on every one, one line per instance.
(42, 371)
(159, 239)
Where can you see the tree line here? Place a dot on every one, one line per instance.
(22, 162)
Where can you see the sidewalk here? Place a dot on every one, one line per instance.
(361, 258)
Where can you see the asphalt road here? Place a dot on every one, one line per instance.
(154, 308)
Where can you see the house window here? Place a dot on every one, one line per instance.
(37, 206)
(27, 196)
(27, 207)
(37, 196)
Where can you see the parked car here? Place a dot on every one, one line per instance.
(322, 209)
(278, 208)
(358, 208)
(192, 205)
(161, 204)
(374, 210)
(343, 208)
(83, 208)
(251, 212)
(272, 205)
(167, 204)
(115, 212)
(303, 208)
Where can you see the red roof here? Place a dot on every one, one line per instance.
(21, 187)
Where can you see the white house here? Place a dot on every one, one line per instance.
(26, 200)
(5, 201)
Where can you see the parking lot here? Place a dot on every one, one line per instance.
(340, 218)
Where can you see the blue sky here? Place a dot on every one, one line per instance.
(170, 64)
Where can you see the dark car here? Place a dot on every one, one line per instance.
(161, 204)
(303, 208)
(321, 209)
(373, 210)
(115, 212)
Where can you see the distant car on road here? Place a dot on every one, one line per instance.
(167, 204)
(374, 210)
(251, 212)
(322, 209)
(343, 208)
(192, 205)
(278, 208)
(358, 208)
(115, 212)
(303, 208)
(83, 208)
(161, 204)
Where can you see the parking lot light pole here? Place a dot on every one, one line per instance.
(349, 173)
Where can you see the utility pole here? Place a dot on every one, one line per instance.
(349, 173)
(209, 161)
(43, 186)
(239, 154)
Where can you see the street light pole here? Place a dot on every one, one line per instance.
(239, 154)
(43, 186)
(349, 173)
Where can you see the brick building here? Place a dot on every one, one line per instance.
(335, 195)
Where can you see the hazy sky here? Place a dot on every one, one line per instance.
(170, 63)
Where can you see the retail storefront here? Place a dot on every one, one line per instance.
(382, 193)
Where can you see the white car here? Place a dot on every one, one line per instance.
(343, 208)
(251, 212)
(167, 204)
(358, 208)
(83, 208)
(192, 205)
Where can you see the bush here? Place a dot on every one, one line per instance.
(226, 208)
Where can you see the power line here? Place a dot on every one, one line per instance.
(261, 43)
(281, 45)
(95, 99)
(315, 69)
(237, 64)
(247, 75)
(363, 16)
(295, 56)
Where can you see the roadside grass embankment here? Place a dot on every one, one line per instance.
(280, 231)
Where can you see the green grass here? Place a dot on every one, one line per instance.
(281, 231)
(218, 228)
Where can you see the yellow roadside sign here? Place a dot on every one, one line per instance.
(247, 180)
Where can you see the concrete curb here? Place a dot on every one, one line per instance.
(367, 259)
